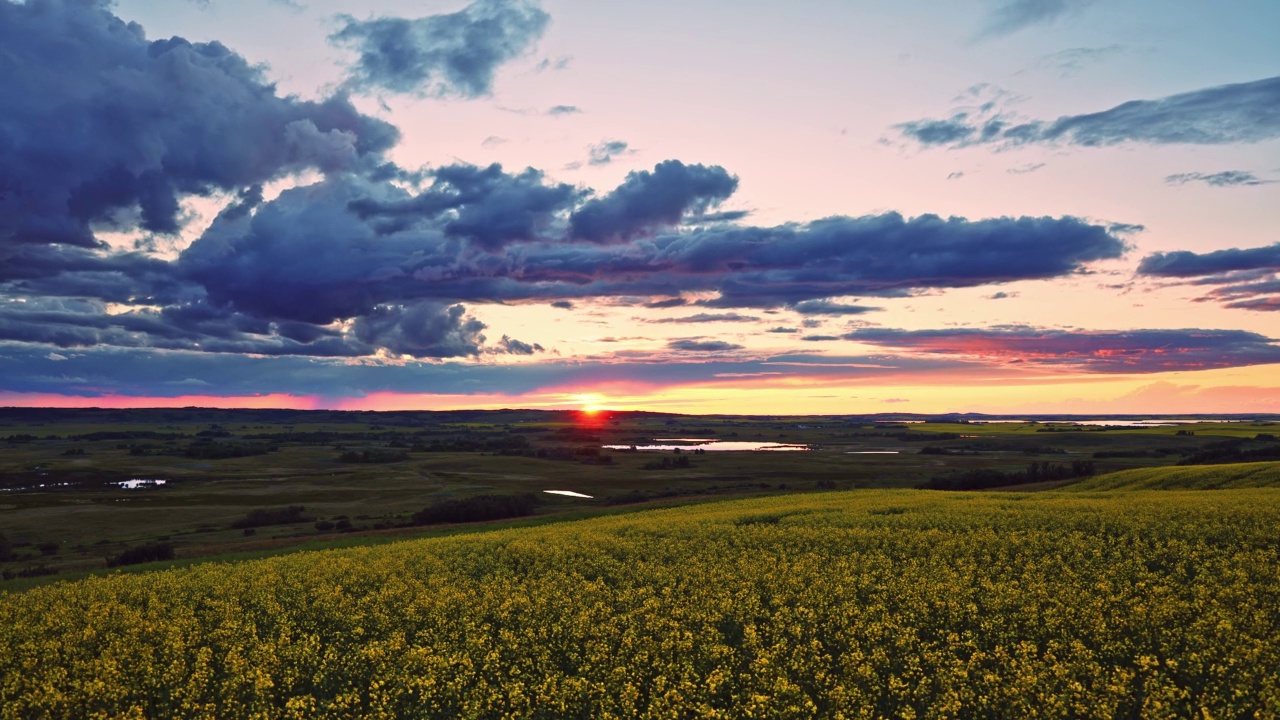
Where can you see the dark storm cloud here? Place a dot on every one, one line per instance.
(826, 307)
(1225, 114)
(441, 55)
(1226, 178)
(1184, 264)
(699, 345)
(103, 127)
(484, 205)
(1134, 351)
(1016, 15)
(647, 202)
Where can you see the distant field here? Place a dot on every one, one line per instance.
(1196, 477)
(866, 603)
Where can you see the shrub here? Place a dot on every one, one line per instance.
(272, 516)
(151, 552)
(477, 509)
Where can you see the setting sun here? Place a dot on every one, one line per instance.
(590, 403)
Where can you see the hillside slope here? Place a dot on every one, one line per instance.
(851, 604)
(1191, 477)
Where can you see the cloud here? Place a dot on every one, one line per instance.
(1184, 264)
(696, 345)
(425, 330)
(1225, 114)
(1226, 178)
(112, 130)
(819, 338)
(668, 303)
(783, 330)
(487, 206)
(562, 304)
(603, 153)
(1073, 60)
(647, 202)
(707, 318)
(515, 347)
(455, 54)
(826, 307)
(1094, 351)
(1016, 15)
(562, 110)
(1246, 279)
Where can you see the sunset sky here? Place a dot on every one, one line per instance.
(1002, 206)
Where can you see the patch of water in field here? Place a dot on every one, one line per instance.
(567, 493)
(139, 483)
(872, 452)
(715, 446)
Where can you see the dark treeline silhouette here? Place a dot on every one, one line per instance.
(1234, 451)
(477, 509)
(983, 478)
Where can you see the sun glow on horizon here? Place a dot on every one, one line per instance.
(590, 403)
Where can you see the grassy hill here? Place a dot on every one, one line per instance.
(1192, 477)
(850, 604)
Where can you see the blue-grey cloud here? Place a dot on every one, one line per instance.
(487, 206)
(1134, 351)
(667, 303)
(699, 345)
(1225, 114)
(783, 330)
(424, 329)
(706, 318)
(1015, 15)
(454, 54)
(142, 372)
(104, 128)
(1245, 279)
(647, 202)
(604, 152)
(1226, 178)
(826, 307)
(560, 110)
(819, 338)
(1183, 264)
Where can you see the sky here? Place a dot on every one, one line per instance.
(815, 207)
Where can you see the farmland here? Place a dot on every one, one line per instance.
(869, 603)
(80, 489)
(331, 565)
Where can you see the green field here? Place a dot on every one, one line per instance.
(864, 603)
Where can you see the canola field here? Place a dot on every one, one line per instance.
(861, 604)
(1190, 477)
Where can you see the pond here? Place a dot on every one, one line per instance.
(711, 445)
